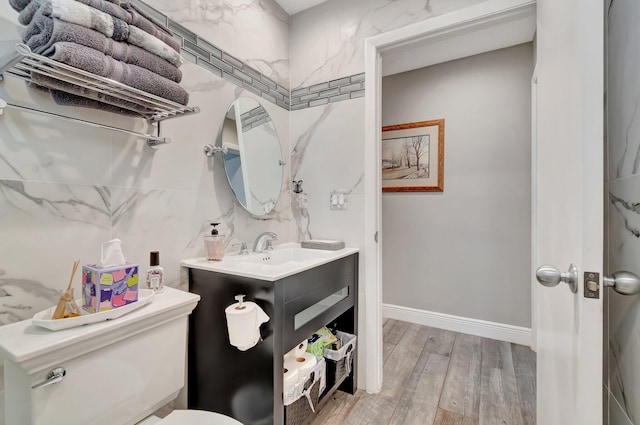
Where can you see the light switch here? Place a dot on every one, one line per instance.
(338, 199)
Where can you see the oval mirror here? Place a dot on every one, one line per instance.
(252, 157)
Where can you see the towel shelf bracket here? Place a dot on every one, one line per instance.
(17, 57)
(155, 109)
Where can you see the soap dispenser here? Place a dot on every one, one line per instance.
(299, 195)
(214, 245)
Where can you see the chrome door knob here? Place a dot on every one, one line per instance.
(625, 283)
(550, 276)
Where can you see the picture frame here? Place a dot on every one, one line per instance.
(413, 157)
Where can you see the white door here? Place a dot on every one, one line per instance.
(568, 207)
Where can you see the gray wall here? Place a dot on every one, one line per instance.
(466, 251)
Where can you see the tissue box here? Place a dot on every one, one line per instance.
(105, 288)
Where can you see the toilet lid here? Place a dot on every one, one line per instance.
(197, 417)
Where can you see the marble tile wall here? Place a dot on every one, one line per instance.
(198, 50)
(255, 32)
(327, 40)
(65, 188)
(327, 156)
(623, 139)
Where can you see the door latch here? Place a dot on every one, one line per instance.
(591, 285)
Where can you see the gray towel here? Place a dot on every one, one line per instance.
(68, 94)
(44, 32)
(81, 14)
(98, 63)
(132, 7)
(26, 14)
(68, 99)
(18, 5)
(140, 19)
(131, 16)
(108, 8)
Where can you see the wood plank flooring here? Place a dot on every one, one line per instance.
(437, 377)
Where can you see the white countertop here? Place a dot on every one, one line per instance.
(252, 266)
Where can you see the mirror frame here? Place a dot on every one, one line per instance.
(257, 119)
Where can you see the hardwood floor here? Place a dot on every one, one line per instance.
(438, 377)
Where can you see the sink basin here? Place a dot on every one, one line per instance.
(279, 257)
(284, 260)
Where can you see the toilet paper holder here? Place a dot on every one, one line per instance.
(243, 323)
(240, 299)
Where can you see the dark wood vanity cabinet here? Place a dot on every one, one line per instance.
(248, 385)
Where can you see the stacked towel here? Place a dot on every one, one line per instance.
(109, 38)
(102, 12)
(75, 12)
(18, 5)
(98, 63)
(137, 14)
(68, 99)
(43, 32)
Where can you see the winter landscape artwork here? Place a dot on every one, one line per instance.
(413, 157)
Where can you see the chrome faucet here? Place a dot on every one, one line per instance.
(263, 242)
(243, 248)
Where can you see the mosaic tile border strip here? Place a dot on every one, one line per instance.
(254, 118)
(344, 88)
(199, 51)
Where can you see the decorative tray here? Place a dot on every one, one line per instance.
(43, 319)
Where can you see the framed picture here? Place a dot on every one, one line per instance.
(413, 157)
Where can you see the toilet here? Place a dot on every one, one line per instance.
(190, 417)
(116, 372)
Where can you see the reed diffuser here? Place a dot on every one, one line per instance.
(67, 306)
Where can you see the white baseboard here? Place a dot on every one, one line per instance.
(483, 328)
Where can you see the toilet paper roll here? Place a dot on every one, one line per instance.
(290, 356)
(300, 349)
(296, 351)
(243, 324)
(291, 376)
(306, 362)
(291, 385)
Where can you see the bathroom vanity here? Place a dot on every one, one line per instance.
(301, 291)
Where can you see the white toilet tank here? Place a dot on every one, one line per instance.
(117, 372)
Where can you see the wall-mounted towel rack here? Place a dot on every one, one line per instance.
(152, 141)
(25, 63)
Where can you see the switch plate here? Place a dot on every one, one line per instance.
(338, 199)
(591, 285)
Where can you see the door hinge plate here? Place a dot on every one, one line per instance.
(591, 285)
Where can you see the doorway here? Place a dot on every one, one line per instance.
(452, 259)
(483, 28)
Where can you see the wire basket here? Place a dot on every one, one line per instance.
(340, 362)
(305, 397)
(297, 412)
